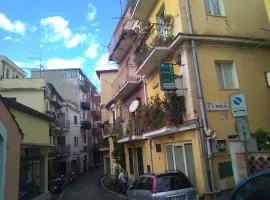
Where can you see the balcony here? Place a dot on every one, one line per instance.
(63, 150)
(108, 129)
(155, 46)
(62, 124)
(51, 115)
(85, 87)
(85, 124)
(85, 105)
(125, 82)
(159, 114)
(123, 37)
(141, 8)
(104, 145)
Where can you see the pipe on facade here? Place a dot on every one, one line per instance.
(150, 151)
(203, 122)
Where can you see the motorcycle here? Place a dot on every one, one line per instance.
(72, 178)
(57, 185)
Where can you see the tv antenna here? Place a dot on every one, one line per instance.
(35, 55)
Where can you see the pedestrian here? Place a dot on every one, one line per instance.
(123, 179)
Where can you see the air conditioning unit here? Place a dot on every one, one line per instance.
(219, 146)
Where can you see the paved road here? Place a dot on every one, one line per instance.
(87, 188)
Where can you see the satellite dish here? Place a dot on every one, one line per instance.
(133, 106)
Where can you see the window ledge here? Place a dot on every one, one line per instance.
(229, 89)
(218, 16)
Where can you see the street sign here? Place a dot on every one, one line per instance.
(217, 106)
(243, 128)
(238, 105)
(167, 80)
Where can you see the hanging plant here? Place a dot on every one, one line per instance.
(118, 129)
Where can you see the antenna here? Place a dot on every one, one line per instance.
(35, 55)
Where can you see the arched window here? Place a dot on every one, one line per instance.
(3, 144)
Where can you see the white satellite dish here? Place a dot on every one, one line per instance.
(133, 106)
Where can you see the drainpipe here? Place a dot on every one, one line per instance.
(151, 157)
(204, 132)
(145, 89)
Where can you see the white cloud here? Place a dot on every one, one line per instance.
(7, 38)
(56, 30)
(103, 63)
(92, 50)
(75, 40)
(15, 27)
(92, 11)
(58, 63)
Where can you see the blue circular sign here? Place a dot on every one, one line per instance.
(237, 101)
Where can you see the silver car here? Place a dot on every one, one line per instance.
(164, 186)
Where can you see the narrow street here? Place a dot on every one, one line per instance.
(87, 187)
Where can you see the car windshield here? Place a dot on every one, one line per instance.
(169, 182)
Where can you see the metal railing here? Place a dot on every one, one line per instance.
(62, 123)
(63, 149)
(125, 28)
(128, 73)
(108, 129)
(151, 36)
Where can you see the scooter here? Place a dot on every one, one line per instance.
(57, 185)
(72, 178)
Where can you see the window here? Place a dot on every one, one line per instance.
(172, 182)
(7, 73)
(75, 119)
(76, 142)
(214, 7)
(226, 75)
(146, 183)
(130, 158)
(70, 74)
(161, 21)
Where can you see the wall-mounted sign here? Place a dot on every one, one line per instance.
(217, 106)
(167, 80)
(238, 105)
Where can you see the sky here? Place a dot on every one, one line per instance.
(66, 33)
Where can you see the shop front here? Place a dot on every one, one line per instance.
(32, 173)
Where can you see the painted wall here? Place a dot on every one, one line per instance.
(14, 139)
(106, 80)
(29, 92)
(67, 88)
(251, 65)
(38, 131)
(247, 22)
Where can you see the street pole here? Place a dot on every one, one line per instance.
(246, 153)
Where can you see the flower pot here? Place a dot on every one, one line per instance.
(168, 123)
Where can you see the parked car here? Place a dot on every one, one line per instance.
(254, 187)
(167, 186)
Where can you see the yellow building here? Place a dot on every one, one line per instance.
(215, 50)
(33, 179)
(267, 6)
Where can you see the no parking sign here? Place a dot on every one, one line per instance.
(238, 105)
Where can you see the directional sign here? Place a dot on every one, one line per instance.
(238, 105)
(167, 80)
(243, 128)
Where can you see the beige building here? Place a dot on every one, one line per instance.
(11, 136)
(106, 79)
(8, 69)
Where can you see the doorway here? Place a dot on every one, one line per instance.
(140, 160)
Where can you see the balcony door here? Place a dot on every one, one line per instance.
(180, 157)
(161, 23)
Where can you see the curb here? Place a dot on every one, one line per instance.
(112, 192)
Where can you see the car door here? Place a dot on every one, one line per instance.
(141, 189)
(257, 188)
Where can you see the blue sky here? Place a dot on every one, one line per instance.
(68, 34)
